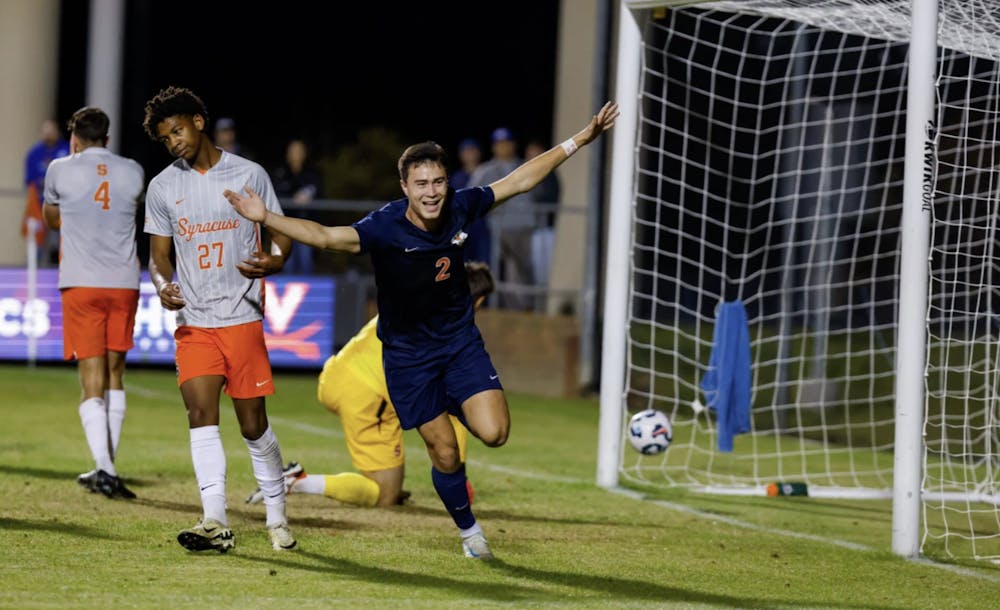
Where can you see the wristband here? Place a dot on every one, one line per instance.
(569, 147)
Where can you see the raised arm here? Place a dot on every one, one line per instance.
(529, 174)
(336, 239)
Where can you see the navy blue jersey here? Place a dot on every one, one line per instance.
(424, 303)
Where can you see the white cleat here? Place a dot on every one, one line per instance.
(281, 537)
(475, 547)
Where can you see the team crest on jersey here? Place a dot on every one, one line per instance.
(459, 238)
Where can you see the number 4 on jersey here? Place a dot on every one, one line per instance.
(103, 193)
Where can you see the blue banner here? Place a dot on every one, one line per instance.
(298, 320)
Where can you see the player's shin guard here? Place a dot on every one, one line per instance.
(209, 461)
(451, 488)
(116, 417)
(94, 419)
(351, 488)
(265, 456)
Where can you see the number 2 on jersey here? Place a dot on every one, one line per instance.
(444, 263)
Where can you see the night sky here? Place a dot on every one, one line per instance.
(427, 70)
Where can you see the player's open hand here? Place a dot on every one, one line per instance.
(170, 296)
(260, 264)
(249, 206)
(602, 121)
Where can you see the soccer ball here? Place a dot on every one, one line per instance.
(650, 432)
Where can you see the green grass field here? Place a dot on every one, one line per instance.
(560, 541)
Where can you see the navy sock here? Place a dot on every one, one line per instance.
(453, 492)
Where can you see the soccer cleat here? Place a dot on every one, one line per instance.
(281, 537)
(100, 481)
(293, 472)
(112, 486)
(206, 535)
(88, 481)
(475, 547)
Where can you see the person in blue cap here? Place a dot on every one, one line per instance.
(512, 226)
(478, 246)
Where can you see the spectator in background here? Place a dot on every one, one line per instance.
(51, 145)
(297, 182)
(469, 157)
(511, 226)
(225, 137)
(546, 197)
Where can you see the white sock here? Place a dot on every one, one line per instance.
(115, 400)
(94, 417)
(310, 484)
(209, 461)
(472, 531)
(265, 456)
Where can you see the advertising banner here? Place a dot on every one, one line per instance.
(298, 320)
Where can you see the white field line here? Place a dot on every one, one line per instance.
(307, 428)
(628, 493)
(681, 508)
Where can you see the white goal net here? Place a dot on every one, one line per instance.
(768, 182)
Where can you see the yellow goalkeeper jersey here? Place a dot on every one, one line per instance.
(363, 356)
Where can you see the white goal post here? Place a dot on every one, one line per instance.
(831, 170)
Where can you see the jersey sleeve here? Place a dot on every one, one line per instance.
(368, 230)
(49, 194)
(476, 200)
(140, 172)
(157, 220)
(261, 183)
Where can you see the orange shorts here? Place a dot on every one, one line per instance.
(237, 353)
(97, 320)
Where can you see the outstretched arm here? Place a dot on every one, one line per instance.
(528, 175)
(337, 239)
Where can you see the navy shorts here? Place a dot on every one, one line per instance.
(425, 388)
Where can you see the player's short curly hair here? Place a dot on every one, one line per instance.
(480, 279)
(172, 101)
(418, 154)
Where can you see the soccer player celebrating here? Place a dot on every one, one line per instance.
(434, 358)
(92, 195)
(352, 385)
(218, 298)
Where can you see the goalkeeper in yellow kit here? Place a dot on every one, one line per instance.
(352, 385)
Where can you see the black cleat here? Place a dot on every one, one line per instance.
(119, 490)
(88, 481)
(98, 481)
(208, 535)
